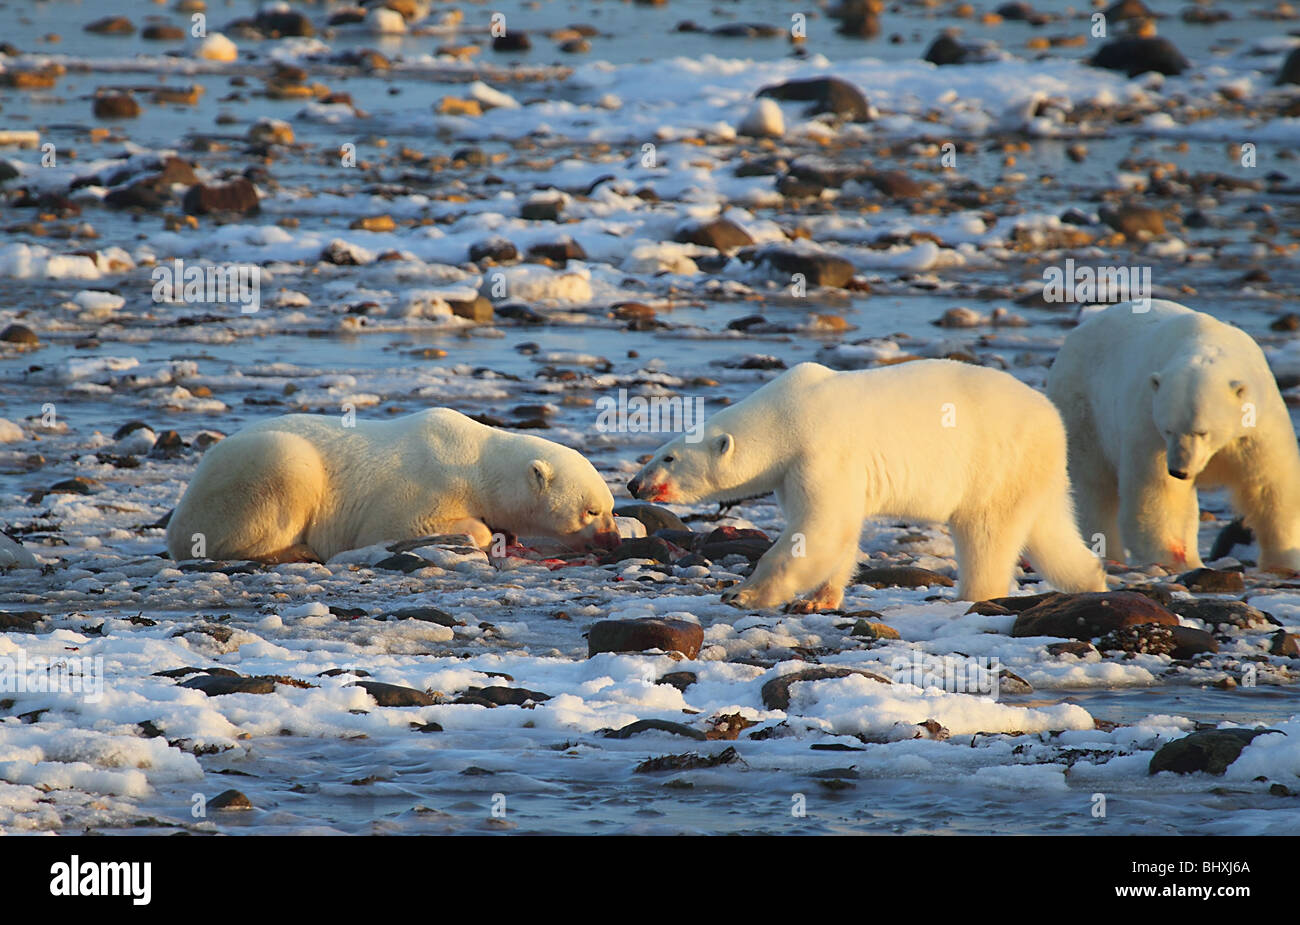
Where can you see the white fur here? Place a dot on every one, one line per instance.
(840, 447)
(306, 480)
(1135, 389)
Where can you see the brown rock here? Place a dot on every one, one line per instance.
(643, 634)
(1212, 581)
(394, 695)
(1090, 614)
(238, 196)
(720, 234)
(116, 106)
(776, 692)
(901, 576)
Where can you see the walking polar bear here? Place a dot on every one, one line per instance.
(931, 440)
(1162, 400)
(306, 486)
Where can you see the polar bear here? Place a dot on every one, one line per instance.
(933, 440)
(1159, 400)
(307, 486)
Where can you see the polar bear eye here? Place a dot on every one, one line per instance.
(1201, 433)
(667, 460)
(593, 513)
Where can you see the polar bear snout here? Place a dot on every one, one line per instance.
(634, 487)
(1181, 474)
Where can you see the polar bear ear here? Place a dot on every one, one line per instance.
(542, 473)
(1238, 387)
(1155, 382)
(724, 444)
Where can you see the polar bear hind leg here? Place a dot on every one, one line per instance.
(253, 498)
(1056, 551)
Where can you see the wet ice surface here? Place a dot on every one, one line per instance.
(326, 757)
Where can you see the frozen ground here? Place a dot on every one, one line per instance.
(377, 333)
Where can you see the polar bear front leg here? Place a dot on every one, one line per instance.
(817, 550)
(1159, 514)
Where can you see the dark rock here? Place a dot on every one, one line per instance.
(1189, 641)
(1212, 581)
(216, 685)
(1211, 751)
(402, 562)
(817, 267)
(111, 25)
(776, 692)
(512, 41)
(644, 547)
(653, 516)
(1141, 639)
(230, 799)
(426, 615)
(655, 725)
(283, 23)
(1121, 10)
(116, 106)
(1284, 644)
(560, 251)
(238, 196)
(1134, 221)
(827, 94)
(1290, 71)
(946, 50)
(496, 249)
(1136, 55)
(1074, 647)
(542, 210)
(720, 234)
(477, 309)
(900, 576)
(19, 621)
(394, 695)
(727, 541)
(499, 696)
(1218, 612)
(678, 679)
(895, 184)
(158, 32)
(643, 634)
(1090, 614)
(19, 334)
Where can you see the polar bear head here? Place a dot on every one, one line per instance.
(566, 498)
(1198, 408)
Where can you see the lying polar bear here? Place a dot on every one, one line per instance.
(1160, 400)
(307, 486)
(929, 440)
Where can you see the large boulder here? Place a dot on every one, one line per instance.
(1210, 751)
(1136, 55)
(643, 634)
(827, 94)
(1090, 614)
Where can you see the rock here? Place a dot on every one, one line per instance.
(874, 630)
(1089, 614)
(544, 208)
(19, 621)
(895, 184)
(496, 248)
(19, 334)
(1136, 55)
(512, 41)
(266, 131)
(216, 47)
(1074, 647)
(653, 516)
(764, 120)
(116, 106)
(1135, 222)
(425, 615)
(645, 547)
(1212, 581)
(1011, 683)
(402, 562)
(1211, 751)
(640, 635)
(238, 196)
(1221, 613)
(816, 267)
(678, 679)
(216, 685)
(946, 50)
(499, 696)
(1290, 71)
(558, 252)
(394, 695)
(776, 692)
(728, 541)
(157, 32)
(827, 95)
(720, 234)
(1121, 10)
(655, 725)
(477, 309)
(1284, 644)
(230, 799)
(111, 25)
(1141, 639)
(900, 576)
(278, 23)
